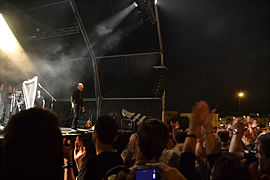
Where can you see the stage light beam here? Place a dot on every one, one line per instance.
(109, 25)
(8, 42)
(12, 51)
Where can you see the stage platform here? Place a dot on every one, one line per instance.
(66, 132)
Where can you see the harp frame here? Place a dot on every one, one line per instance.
(29, 88)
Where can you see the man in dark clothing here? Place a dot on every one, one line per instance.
(39, 101)
(77, 105)
(104, 135)
(1, 101)
(7, 100)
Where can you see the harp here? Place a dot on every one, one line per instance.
(29, 88)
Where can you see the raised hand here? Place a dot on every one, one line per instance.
(79, 153)
(168, 172)
(239, 125)
(208, 123)
(228, 126)
(177, 125)
(172, 124)
(200, 113)
(254, 124)
(67, 150)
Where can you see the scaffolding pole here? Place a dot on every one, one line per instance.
(161, 60)
(47, 5)
(92, 54)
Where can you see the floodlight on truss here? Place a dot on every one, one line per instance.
(146, 8)
(135, 4)
(43, 34)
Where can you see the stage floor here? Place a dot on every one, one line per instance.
(65, 131)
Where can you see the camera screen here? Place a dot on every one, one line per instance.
(145, 174)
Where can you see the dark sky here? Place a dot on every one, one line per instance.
(214, 49)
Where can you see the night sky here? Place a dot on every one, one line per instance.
(214, 49)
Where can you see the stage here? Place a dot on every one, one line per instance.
(66, 132)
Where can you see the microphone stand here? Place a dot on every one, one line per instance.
(53, 99)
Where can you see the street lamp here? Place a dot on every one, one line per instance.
(240, 96)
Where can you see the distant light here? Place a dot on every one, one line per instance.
(155, 2)
(135, 4)
(258, 114)
(240, 94)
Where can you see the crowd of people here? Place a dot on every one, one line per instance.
(33, 148)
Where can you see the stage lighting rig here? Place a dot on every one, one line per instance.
(146, 8)
(44, 34)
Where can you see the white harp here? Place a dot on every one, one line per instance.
(29, 88)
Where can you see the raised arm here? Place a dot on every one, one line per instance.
(236, 142)
(210, 138)
(43, 103)
(187, 159)
(68, 167)
(199, 113)
(79, 153)
(72, 101)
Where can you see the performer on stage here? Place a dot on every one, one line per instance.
(39, 101)
(77, 104)
(1, 101)
(8, 105)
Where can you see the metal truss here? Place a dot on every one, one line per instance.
(56, 33)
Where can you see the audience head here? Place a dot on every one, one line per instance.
(153, 136)
(229, 166)
(106, 129)
(223, 135)
(180, 136)
(264, 153)
(9, 88)
(170, 158)
(38, 92)
(33, 147)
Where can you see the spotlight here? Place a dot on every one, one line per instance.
(135, 4)
(146, 9)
